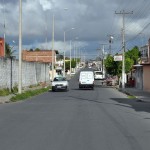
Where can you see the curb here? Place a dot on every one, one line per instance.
(136, 97)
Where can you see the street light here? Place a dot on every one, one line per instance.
(65, 49)
(110, 42)
(53, 33)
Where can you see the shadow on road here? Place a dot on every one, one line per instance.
(136, 104)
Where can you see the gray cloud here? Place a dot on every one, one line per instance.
(94, 21)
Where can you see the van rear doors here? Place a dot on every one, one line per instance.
(86, 79)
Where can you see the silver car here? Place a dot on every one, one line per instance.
(60, 83)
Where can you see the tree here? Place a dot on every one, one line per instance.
(133, 54)
(115, 68)
(8, 50)
(37, 49)
(67, 64)
(128, 64)
(112, 67)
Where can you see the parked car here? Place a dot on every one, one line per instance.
(86, 79)
(60, 83)
(98, 75)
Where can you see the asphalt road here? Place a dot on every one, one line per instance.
(99, 119)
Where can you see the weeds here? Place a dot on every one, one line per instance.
(28, 94)
(4, 92)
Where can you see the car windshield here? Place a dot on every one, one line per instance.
(59, 79)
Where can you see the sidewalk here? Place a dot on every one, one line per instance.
(5, 99)
(139, 94)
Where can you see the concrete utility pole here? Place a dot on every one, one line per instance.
(123, 13)
(103, 55)
(53, 24)
(64, 53)
(20, 49)
(4, 29)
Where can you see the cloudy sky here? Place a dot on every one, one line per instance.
(95, 21)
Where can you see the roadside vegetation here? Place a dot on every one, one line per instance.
(114, 68)
(28, 94)
(4, 92)
(131, 97)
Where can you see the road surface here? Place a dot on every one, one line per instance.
(99, 119)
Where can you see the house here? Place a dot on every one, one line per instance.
(142, 70)
(145, 62)
(44, 56)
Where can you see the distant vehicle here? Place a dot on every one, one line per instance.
(98, 75)
(86, 79)
(60, 83)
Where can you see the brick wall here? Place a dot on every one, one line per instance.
(1, 47)
(38, 56)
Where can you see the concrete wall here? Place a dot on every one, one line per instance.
(32, 73)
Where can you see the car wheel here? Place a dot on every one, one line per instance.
(53, 89)
(67, 89)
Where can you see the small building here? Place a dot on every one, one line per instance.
(44, 56)
(145, 66)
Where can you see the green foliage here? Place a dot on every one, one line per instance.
(37, 49)
(128, 64)
(73, 63)
(131, 97)
(112, 67)
(67, 64)
(115, 68)
(133, 54)
(8, 50)
(4, 92)
(28, 94)
(15, 89)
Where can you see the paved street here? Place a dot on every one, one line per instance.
(100, 119)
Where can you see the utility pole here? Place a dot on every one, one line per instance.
(123, 13)
(4, 29)
(103, 54)
(20, 49)
(53, 23)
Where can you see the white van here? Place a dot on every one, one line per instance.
(86, 79)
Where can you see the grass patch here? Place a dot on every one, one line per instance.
(4, 92)
(28, 94)
(131, 96)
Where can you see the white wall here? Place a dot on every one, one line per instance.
(32, 73)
